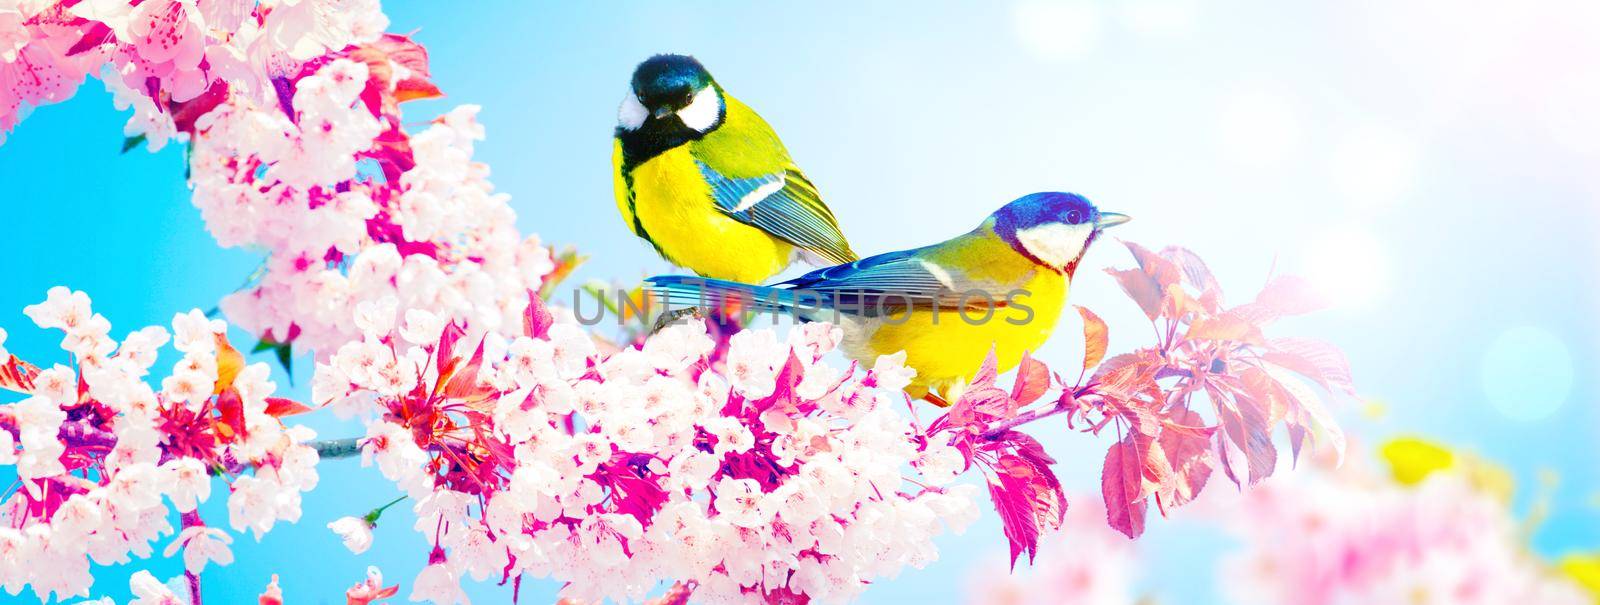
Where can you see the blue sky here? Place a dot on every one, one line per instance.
(1432, 170)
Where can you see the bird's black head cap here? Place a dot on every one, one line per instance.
(669, 80)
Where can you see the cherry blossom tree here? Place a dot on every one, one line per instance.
(732, 464)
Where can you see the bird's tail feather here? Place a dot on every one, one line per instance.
(717, 293)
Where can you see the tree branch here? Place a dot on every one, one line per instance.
(337, 448)
(1000, 428)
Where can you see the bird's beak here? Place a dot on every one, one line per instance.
(663, 111)
(1111, 219)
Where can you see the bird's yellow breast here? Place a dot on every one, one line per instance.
(673, 205)
(946, 349)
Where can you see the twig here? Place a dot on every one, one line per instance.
(337, 448)
(1064, 404)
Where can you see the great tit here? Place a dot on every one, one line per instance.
(999, 287)
(707, 182)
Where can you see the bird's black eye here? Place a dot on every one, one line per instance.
(1074, 217)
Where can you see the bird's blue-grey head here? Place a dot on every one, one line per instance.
(1054, 229)
(671, 87)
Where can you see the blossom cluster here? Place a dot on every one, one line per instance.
(1436, 527)
(168, 59)
(292, 112)
(103, 457)
(351, 209)
(753, 474)
(1352, 536)
(147, 590)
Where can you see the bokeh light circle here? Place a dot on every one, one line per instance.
(1058, 29)
(1258, 128)
(1527, 373)
(1347, 266)
(1374, 167)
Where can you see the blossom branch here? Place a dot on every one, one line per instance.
(330, 449)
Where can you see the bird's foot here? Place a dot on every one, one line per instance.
(674, 316)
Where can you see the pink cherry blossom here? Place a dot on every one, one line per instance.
(101, 452)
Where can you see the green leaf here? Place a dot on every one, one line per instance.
(282, 350)
(129, 143)
(286, 359)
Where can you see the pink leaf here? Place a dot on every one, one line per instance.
(1142, 288)
(1228, 326)
(988, 371)
(1187, 448)
(1122, 486)
(1195, 271)
(1309, 411)
(1163, 271)
(1290, 295)
(1314, 359)
(1033, 379)
(1096, 338)
(1246, 424)
(536, 319)
(1026, 495)
(279, 407)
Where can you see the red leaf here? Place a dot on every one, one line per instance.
(1314, 359)
(988, 371)
(1282, 297)
(17, 375)
(97, 35)
(1163, 271)
(1290, 295)
(445, 356)
(1027, 495)
(229, 363)
(230, 423)
(380, 57)
(1122, 486)
(1096, 338)
(536, 319)
(279, 407)
(1126, 375)
(1033, 379)
(677, 595)
(1246, 424)
(982, 403)
(1142, 288)
(1228, 326)
(1308, 412)
(186, 113)
(1187, 448)
(1195, 271)
(462, 383)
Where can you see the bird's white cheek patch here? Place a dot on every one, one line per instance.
(1056, 244)
(702, 112)
(632, 113)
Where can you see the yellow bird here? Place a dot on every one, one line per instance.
(999, 287)
(707, 182)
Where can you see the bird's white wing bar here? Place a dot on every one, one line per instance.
(939, 273)
(760, 193)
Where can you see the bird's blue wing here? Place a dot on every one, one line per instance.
(896, 280)
(783, 204)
